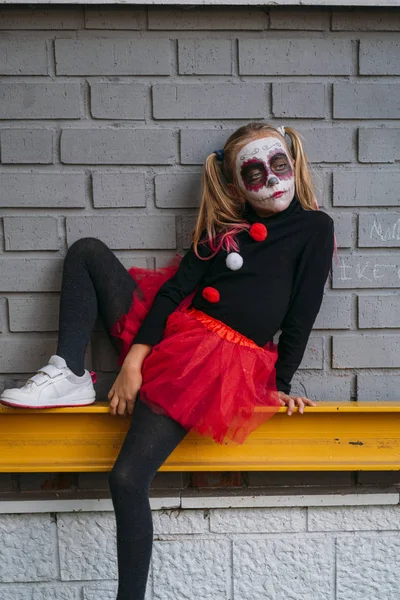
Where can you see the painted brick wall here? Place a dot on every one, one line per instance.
(318, 553)
(106, 115)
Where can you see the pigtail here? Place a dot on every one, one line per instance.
(303, 181)
(220, 215)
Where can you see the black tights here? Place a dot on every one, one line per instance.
(96, 283)
(150, 440)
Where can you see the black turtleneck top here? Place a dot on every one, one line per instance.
(279, 287)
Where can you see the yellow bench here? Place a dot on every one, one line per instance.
(333, 436)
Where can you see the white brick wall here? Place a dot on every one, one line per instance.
(215, 554)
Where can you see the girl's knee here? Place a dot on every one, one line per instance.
(123, 478)
(86, 248)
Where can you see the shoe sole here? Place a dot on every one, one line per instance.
(16, 405)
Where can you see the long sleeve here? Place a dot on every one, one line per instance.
(171, 294)
(305, 303)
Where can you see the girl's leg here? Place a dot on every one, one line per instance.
(149, 441)
(94, 283)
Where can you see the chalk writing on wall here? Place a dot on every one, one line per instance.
(385, 232)
(370, 272)
(374, 271)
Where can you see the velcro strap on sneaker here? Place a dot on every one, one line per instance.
(51, 371)
(38, 378)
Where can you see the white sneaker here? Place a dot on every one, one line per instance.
(54, 385)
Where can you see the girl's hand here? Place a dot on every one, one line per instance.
(292, 401)
(123, 393)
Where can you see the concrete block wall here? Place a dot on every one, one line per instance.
(107, 113)
(318, 553)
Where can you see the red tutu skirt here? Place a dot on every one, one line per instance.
(203, 374)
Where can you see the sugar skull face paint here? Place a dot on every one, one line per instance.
(265, 174)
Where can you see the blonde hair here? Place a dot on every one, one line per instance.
(221, 209)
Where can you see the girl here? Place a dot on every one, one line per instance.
(198, 347)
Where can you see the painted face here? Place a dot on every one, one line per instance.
(265, 174)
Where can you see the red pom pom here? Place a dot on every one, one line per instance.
(211, 294)
(258, 232)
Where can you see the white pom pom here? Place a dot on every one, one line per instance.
(234, 261)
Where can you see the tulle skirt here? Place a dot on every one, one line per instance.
(203, 374)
